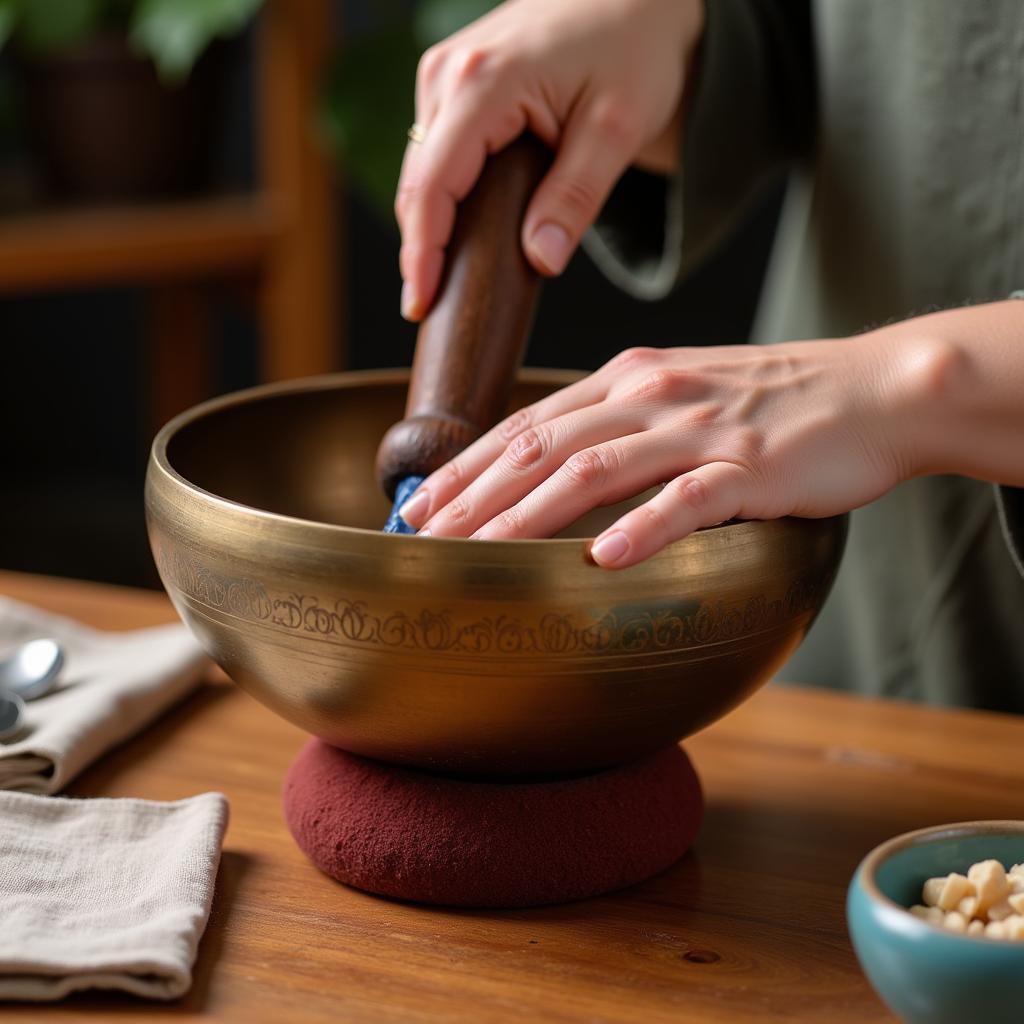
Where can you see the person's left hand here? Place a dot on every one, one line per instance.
(804, 428)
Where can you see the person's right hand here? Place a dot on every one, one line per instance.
(600, 81)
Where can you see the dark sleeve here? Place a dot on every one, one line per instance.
(751, 117)
(1010, 502)
(1011, 514)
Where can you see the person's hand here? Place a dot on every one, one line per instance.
(805, 428)
(600, 82)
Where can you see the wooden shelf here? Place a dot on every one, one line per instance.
(155, 241)
(284, 233)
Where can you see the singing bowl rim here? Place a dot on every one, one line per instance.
(376, 541)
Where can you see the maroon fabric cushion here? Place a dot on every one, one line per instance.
(430, 839)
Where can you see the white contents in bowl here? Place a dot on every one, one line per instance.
(988, 901)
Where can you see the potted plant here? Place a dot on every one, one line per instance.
(367, 103)
(119, 97)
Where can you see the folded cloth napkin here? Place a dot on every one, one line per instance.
(104, 893)
(111, 686)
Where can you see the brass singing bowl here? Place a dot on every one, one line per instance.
(488, 658)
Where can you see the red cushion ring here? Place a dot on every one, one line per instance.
(431, 839)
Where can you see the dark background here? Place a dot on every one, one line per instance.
(74, 423)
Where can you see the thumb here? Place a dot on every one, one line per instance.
(597, 146)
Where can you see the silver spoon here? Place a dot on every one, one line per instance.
(12, 715)
(31, 670)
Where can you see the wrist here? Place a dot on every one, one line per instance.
(922, 371)
(886, 383)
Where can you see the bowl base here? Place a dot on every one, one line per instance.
(410, 835)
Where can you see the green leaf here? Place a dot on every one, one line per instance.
(435, 20)
(173, 33)
(367, 105)
(366, 108)
(8, 17)
(46, 25)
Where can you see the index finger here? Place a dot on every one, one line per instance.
(437, 174)
(455, 476)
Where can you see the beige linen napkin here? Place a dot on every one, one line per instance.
(108, 894)
(112, 685)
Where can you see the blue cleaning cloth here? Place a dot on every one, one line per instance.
(404, 491)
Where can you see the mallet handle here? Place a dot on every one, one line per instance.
(472, 341)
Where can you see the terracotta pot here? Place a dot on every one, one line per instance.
(101, 126)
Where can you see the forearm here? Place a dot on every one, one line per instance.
(957, 387)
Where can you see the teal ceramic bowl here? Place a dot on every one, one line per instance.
(926, 974)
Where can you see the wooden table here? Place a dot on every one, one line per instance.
(748, 927)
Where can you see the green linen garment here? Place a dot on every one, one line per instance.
(901, 127)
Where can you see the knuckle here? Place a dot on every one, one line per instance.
(409, 255)
(473, 63)
(661, 385)
(691, 492)
(458, 512)
(452, 475)
(653, 519)
(511, 522)
(411, 192)
(616, 121)
(525, 450)
(507, 124)
(703, 416)
(589, 469)
(632, 358)
(429, 67)
(515, 424)
(577, 195)
(748, 446)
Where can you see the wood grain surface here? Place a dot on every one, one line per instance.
(748, 927)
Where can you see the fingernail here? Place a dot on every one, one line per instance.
(423, 533)
(610, 548)
(408, 301)
(551, 245)
(415, 510)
